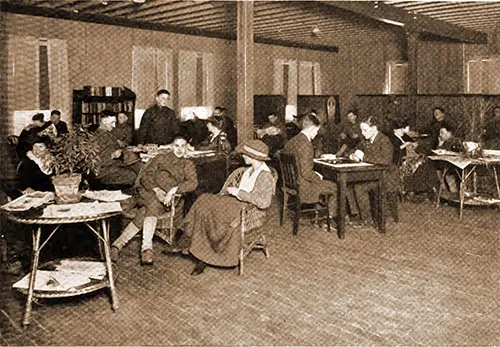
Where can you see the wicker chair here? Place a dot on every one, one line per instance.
(252, 219)
(165, 226)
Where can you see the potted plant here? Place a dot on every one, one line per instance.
(76, 153)
(474, 122)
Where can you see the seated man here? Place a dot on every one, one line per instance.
(375, 149)
(311, 183)
(350, 134)
(163, 176)
(60, 127)
(273, 133)
(123, 131)
(113, 171)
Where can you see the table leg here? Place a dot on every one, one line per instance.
(496, 181)
(441, 185)
(34, 267)
(381, 205)
(462, 192)
(342, 188)
(107, 255)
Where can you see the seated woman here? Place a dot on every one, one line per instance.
(217, 140)
(35, 170)
(212, 223)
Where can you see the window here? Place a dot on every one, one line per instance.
(396, 77)
(309, 78)
(37, 79)
(482, 76)
(289, 82)
(151, 71)
(196, 79)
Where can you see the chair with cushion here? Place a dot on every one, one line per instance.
(291, 194)
(252, 219)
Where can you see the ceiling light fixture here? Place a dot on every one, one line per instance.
(75, 11)
(315, 31)
(138, 1)
(105, 3)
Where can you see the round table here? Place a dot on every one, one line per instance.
(37, 223)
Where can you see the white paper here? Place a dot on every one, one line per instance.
(53, 281)
(82, 209)
(30, 200)
(106, 195)
(319, 161)
(91, 269)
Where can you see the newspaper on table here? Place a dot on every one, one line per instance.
(28, 201)
(105, 195)
(58, 281)
(81, 209)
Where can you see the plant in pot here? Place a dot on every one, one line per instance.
(76, 153)
(473, 125)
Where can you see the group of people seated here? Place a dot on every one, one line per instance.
(210, 236)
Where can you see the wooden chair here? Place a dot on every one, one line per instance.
(290, 189)
(252, 219)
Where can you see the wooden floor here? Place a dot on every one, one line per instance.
(431, 280)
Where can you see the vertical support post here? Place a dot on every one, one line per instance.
(412, 81)
(244, 80)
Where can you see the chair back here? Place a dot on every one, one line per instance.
(289, 172)
(13, 140)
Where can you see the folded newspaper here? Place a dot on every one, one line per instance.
(105, 195)
(81, 209)
(53, 281)
(28, 201)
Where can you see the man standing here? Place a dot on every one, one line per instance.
(55, 121)
(164, 176)
(311, 183)
(159, 125)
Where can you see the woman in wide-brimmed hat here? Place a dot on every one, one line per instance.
(212, 223)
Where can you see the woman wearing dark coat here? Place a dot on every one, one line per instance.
(35, 170)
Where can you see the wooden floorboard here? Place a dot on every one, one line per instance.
(430, 280)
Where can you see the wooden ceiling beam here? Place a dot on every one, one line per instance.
(133, 7)
(219, 17)
(179, 13)
(189, 16)
(380, 11)
(120, 21)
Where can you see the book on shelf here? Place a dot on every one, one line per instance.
(104, 91)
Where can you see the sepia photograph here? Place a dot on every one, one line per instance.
(249, 173)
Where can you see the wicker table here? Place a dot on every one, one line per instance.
(464, 167)
(38, 222)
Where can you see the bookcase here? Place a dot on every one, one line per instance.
(89, 102)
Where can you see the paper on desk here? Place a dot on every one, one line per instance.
(199, 153)
(91, 269)
(53, 281)
(81, 209)
(319, 161)
(105, 195)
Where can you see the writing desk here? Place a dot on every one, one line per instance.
(344, 173)
(37, 222)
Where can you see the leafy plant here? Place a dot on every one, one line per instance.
(474, 121)
(76, 152)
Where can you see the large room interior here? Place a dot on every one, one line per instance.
(427, 275)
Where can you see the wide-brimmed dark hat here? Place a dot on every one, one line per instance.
(130, 158)
(255, 149)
